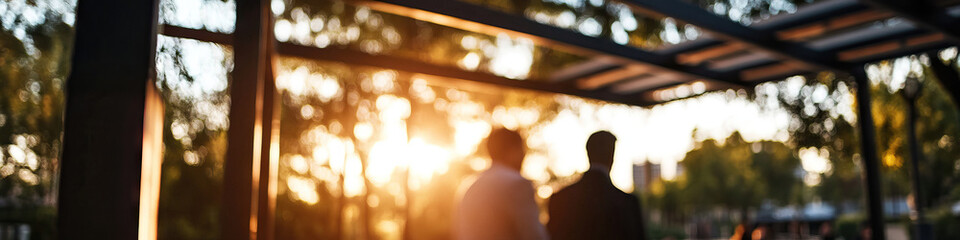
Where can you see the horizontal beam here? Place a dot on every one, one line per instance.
(809, 13)
(697, 57)
(644, 83)
(415, 66)
(403, 64)
(774, 71)
(840, 23)
(705, 41)
(905, 48)
(586, 68)
(470, 17)
(199, 35)
(725, 28)
(609, 77)
(743, 61)
(929, 17)
(649, 95)
(865, 37)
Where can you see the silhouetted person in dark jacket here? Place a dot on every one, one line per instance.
(593, 208)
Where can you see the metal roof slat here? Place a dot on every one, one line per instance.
(697, 57)
(722, 27)
(613, 76)
(646, 83)
(897, 48)
(475, 18)
(930, 17)
(414, 66)
(864, 36)
(829, 26)
(587, 68)
(741, 61)
(808, 14)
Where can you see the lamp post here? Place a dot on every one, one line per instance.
(911, 92)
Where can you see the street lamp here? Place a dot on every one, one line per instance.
(911, 92)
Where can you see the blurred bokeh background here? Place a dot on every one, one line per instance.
(369, 153)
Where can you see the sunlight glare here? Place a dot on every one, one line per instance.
(815, 162)
(353, 182)
(468, 135)
(303, 189)
(513, 58)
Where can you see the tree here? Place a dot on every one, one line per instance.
(35, 55)
(737, 175)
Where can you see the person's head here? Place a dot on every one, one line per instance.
(826, 229)
(600, 147)
(865, 232)
(759, 233)
(506, 147)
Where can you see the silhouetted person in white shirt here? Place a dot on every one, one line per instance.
(592, 208)
(500, 203)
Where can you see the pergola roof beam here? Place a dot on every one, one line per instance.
(650, 95)
(929, 17)
(475, 18)
(774, 71)
(612, 76)
(645, 83)
(697, 57)
(840, 23)
(807, 14)
(414, 66)
(896, 48)
(401, 64)
(864, 36)
(705, 41)
(589, 67)
(742, 61)
(726, 28)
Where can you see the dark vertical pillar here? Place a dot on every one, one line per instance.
(104, 121)
(249, 125)
(916, 158)
(868, 153)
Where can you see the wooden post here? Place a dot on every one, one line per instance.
(105, 140)
(251, 119)
(269, 169)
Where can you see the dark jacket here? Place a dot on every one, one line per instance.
(593, 208)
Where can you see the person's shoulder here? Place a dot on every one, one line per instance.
(627, 197)
(517, 181)
(572, 191)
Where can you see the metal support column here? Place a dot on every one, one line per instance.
(250, 124)
(868, 153)
(104, 137)
(916, 158)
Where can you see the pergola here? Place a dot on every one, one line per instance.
(111, 136)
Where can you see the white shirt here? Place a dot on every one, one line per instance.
(499, 205)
